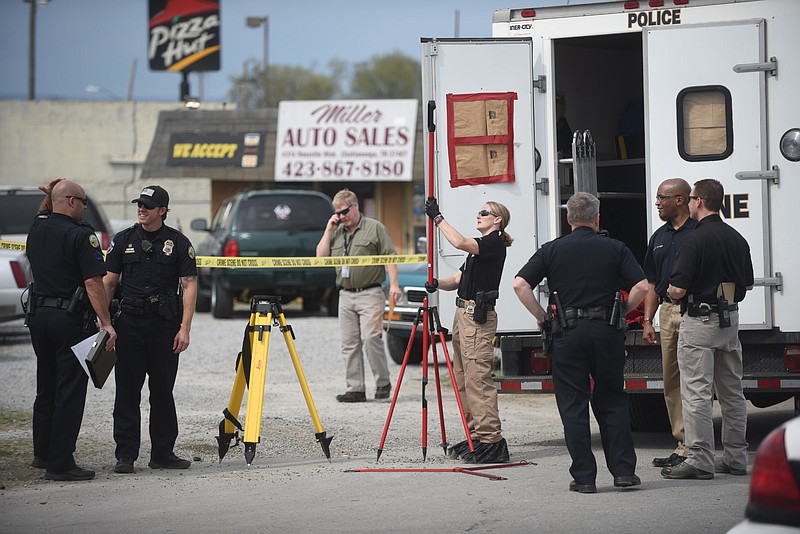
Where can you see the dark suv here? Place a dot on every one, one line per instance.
(18, 207)
(266, 223)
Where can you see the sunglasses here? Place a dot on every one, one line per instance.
(83, 200)
(141, 205)
(692, 197)
(486, 213)
(344, 211)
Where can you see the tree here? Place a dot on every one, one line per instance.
(393, 75)
(283, 82)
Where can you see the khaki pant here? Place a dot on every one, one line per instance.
(710, 361)
(669, 319)
(361, 329)
(473, 356)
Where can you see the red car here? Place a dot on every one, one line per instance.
(774, 503)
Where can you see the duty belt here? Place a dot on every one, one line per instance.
(138, 306)
(693, 310)
(52, 302)
(360, 289)
(597, 312)
(665, 298)
(463, 303)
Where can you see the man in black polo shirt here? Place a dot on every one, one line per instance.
(713, 270)
(586, 270)
(672, 203)
(65, 258)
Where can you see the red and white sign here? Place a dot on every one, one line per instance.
(345, 140)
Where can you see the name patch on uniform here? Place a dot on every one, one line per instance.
(168, 246)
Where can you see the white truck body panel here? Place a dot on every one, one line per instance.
(471, 66)
(612, 62)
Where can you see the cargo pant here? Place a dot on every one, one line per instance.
(473, 356)
(710, 361)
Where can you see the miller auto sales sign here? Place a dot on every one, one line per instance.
(345, 140)
(184, 35)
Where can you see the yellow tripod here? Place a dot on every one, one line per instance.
(251, 369)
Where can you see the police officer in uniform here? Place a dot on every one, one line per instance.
(67, 262)
(155, 268)
(586, 270)
(713, 272)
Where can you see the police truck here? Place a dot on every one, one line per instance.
(649, 90)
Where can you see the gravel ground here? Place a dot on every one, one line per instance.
(290, 487)
(203, 387)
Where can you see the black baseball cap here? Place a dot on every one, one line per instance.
(153, 196)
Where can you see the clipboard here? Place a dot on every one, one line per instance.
(100, 361)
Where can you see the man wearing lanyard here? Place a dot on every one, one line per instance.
(361, 298)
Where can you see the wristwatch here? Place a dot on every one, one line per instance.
(647, 321)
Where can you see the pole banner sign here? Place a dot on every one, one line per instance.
(346, 140)
(184, 35)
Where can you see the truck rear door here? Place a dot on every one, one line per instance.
(494, 68)
(706, 120)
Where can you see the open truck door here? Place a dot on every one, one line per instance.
(706, 118)
(484, 150)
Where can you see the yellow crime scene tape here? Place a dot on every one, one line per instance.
(226, 262)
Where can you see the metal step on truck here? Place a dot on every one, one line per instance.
(659, 89)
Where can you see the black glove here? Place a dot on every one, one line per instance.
(432, 208)
(431, 287)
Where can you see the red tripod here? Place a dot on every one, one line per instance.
(431, 329)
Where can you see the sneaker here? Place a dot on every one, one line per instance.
(671, 461)
(488, 453)
(73, 475)
(686, 471)
(382, 392)
(721, 467)
(124, 465)
(352, 396)
(170, 462)
(38, 463)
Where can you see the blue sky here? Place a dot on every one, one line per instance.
(96, 42)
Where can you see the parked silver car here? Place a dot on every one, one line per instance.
(15, 273)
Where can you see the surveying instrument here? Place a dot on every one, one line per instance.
(251, 371)
(432, 328)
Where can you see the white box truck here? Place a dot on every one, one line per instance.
(667, 88)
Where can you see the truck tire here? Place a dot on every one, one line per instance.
(203, 304)
(397, 343)
(311, 304)
(221, 301)
(648, 412)
(332, 303)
